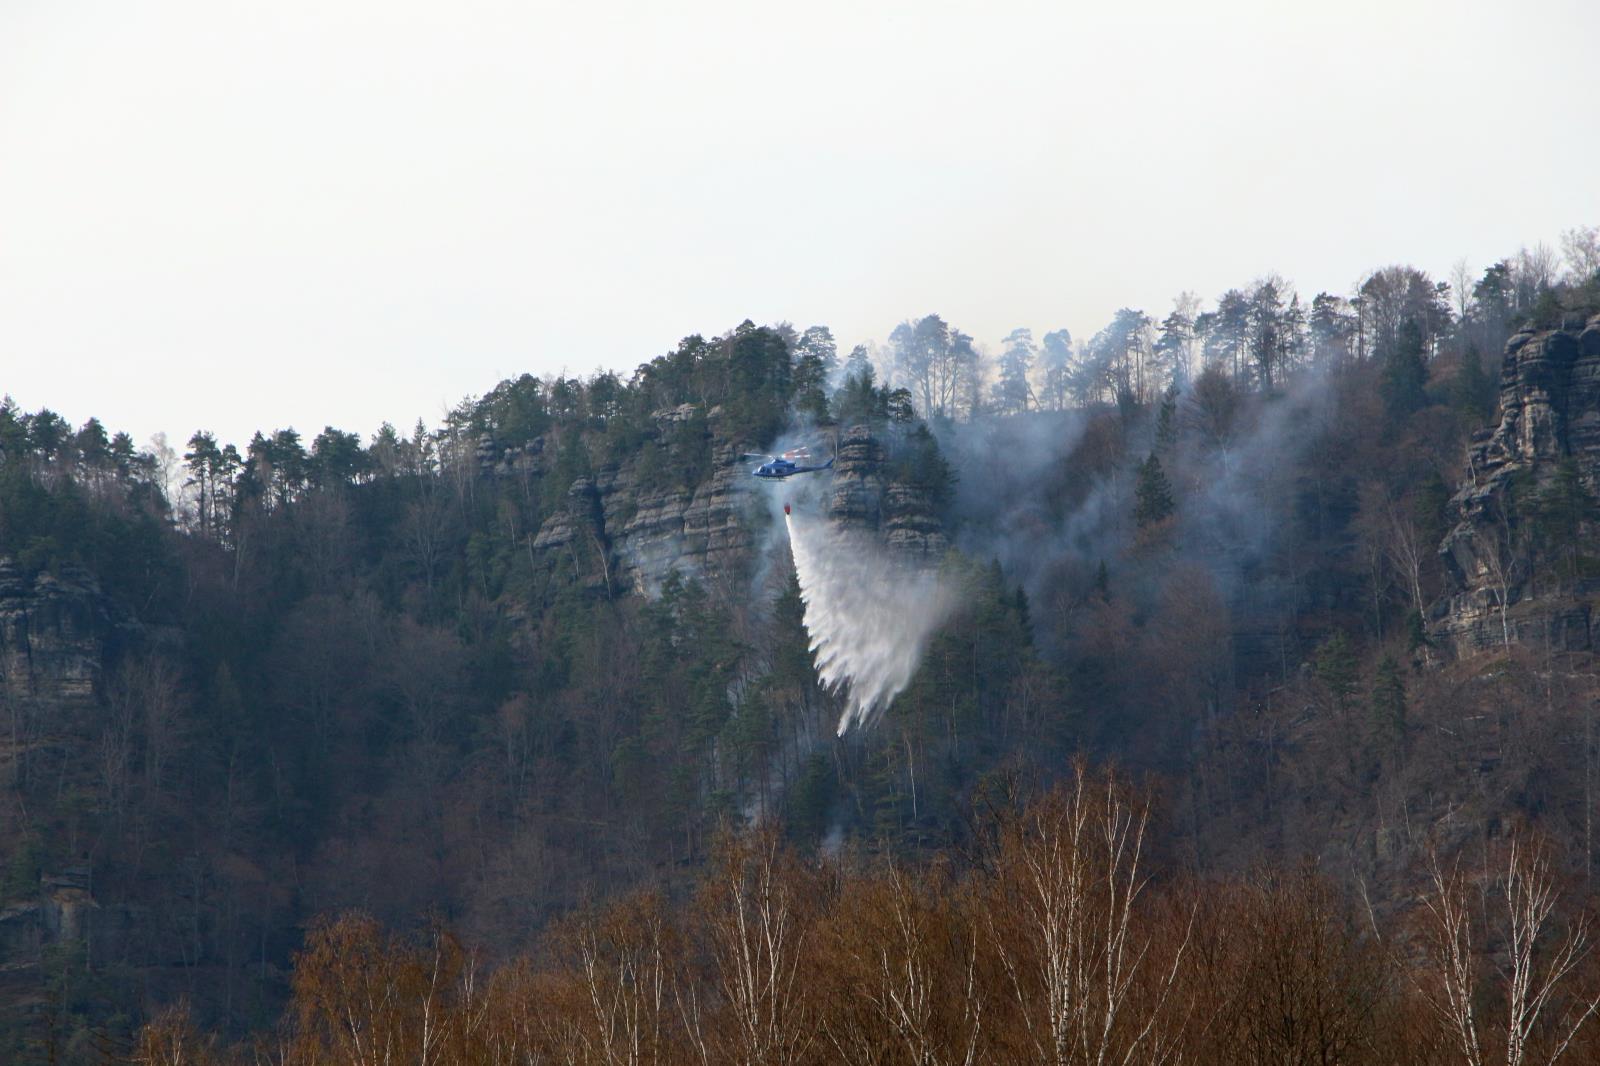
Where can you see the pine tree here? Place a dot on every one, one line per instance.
(1167, 420)
(1153, 493)
(1019, 603)
(1174, 343)
(1012, 393)
(1332, 326)
(815, 363)
(858, 363)
(201, 459)
(1472, 392)
(1405, 375)
(859, 399)
(1055, 359)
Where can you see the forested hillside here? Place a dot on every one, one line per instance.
(462, 684)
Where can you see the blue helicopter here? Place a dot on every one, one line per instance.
(788, 464)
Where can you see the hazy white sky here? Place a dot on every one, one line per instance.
(248, 215)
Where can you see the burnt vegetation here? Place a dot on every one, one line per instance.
(414, 749)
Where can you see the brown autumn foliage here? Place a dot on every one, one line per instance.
(1054, 942)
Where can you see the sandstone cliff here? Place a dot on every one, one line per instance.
(635, 521)
(864, 495)
(54, 629)
(57, 632)
(1550, 413)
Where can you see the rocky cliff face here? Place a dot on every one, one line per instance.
(53, 634)
(56, 630)
(707, 532)
(1550, 413)
(634, 522)
(864, 496)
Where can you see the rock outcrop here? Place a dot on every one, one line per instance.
(708, 532)
(856, 496)
(54, 629)
(634, 522)
(58, 630)
(864, 496)
(1550, 414)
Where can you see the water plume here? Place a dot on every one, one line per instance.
(869, 616)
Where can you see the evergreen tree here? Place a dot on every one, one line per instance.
(1174, 343)
(124, 454)
(1266, 330)
(1472, 392)
(1167, 420)
(815, 361)
(817, 344)
(1153, 494)
(1012, 393)
(93, 447)
(1055, 359)
(1227, 332)
(859, 400)
(858, 363)
(1019, 602)
(898, 406)
(336, 458)
(1405, 374)
(1292, 333)
(1493, 307)
(202, 459)
(1332, 326)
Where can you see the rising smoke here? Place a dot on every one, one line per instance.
(869, 615)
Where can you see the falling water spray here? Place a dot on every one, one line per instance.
(869, 616)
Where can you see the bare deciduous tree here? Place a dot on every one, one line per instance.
(1581, 248)
(757, 910)
(1535, 960)
(1087, 980)
(171, 1039)
(900, 957)
(620, 963)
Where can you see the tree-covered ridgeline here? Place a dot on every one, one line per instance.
(344, 674)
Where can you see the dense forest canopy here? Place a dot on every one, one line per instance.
(459, 683)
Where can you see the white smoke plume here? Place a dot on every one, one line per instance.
(869, 616)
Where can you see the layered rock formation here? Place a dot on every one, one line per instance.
(707, 532)
(53, 634)
(631, 525)
(1550, 413)
(56, 632)
(864, 496)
